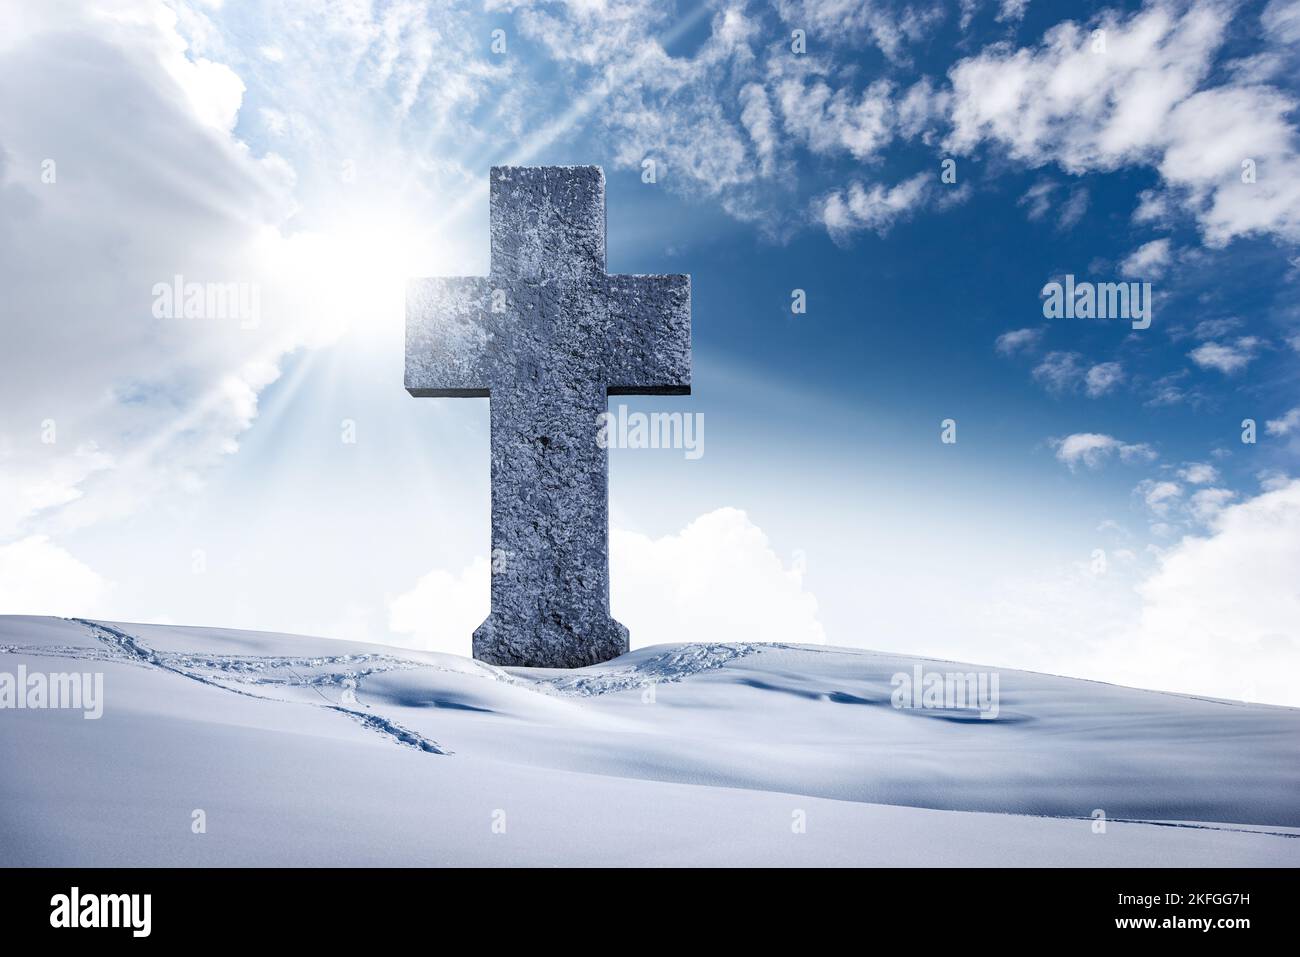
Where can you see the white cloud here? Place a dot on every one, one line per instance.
(35, 483)
(1281, 21)
(1038, 202)
(1215, 614)
(1288, 423)
(1165, 497)
(1018, 340)
(1093, 449)
(1153, 208)
(1060, 372)
(877, 207)
(850, 22)
(1012, 11)
(1148, 261)
(705, 119)
(1139, 102)
(1062, 101)
(830, 122)
(152, 183)
(1208, 502)
(1270, 480)
(1159, 496)
(1103, 378)
(757, 118)
(275, 121)
(1072, 210)
(1198, 473)
(158, 402)
(1226, 357)
(442, 610)
(920, 108)
(1111, 526)
(716, 580)
(1037, 199)
(38, 577)
(1221, 615)
(1203, 156)
(1215, 328)
(1167, 391)
(215, 91)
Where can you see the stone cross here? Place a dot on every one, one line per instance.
(547, 336)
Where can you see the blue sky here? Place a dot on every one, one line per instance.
(325, 154)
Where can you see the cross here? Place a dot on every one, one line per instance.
(547, 335)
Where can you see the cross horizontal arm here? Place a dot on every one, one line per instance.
(451, 338)
(648, 337)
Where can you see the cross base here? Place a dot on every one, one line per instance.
(553, 643)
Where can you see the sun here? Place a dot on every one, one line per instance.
(348, 273)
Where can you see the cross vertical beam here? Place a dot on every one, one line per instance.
(547, 335)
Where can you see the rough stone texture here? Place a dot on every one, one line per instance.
(558, 336)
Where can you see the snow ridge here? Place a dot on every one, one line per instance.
(671, 666)
(252, 668)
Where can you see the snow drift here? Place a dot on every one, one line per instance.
(220, 747)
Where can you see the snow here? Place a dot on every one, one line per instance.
(312, 751)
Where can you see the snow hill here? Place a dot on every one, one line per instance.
(311, 751)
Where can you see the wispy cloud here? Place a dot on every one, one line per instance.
(1148, 261)
(1284, 425)
(1018, 341)
(1227, 357)
(1132, 92)
(1094, 449)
